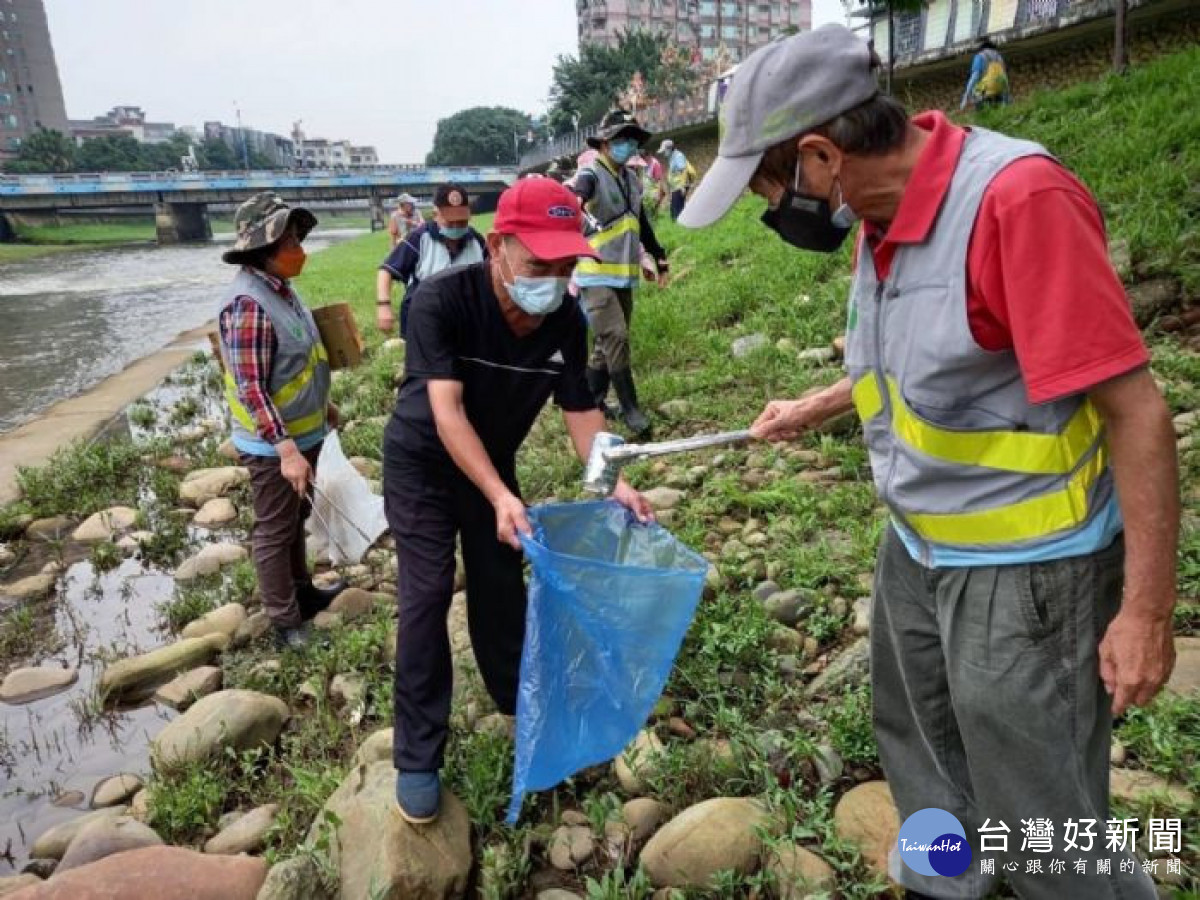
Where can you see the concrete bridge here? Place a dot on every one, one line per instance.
(180, 199)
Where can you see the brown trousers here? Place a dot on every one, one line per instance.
(278, 545)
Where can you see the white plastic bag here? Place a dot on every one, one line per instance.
(347, 515)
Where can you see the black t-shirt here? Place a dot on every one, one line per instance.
(457, 331)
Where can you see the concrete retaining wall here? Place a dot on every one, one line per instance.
(1049, 62)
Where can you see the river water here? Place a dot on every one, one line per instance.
(70, 320)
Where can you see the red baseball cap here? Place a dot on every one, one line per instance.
(545, 217)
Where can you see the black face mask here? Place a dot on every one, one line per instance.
(805, 222)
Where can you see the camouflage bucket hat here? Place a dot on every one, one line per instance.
(618, 123)
(261, 221)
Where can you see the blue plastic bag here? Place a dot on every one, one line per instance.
(609, 603)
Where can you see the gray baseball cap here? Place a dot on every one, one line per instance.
(783, 89)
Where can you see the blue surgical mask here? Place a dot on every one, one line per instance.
(455, 234)
(535, 296)
(622, 151)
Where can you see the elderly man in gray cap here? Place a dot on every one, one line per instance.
(405, 219)
(1026, 579)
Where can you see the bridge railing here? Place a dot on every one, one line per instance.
(377, 176)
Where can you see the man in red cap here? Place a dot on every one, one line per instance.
(488, 345)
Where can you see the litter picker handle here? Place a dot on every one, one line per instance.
(661, 448)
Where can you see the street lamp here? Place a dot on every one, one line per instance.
(242, 135)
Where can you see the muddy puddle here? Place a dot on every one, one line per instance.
(54, 751)
(65, 743)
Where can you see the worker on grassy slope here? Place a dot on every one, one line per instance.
(617, 230)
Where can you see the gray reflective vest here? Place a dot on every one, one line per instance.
(300, 375)
(958, 453)
(613, 216)
(434, 256)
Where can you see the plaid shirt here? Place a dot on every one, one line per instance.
(249, 339)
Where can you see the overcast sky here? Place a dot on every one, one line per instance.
(376, 72)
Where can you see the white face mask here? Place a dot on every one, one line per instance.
(535, 296)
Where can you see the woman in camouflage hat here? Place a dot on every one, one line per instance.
(277, 380)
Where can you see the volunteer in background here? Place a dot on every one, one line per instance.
(617, 229)
(446, 242)
(654, 185)
(987, 84)
(488, 345)
(1026, 582)
(277, 387)
(681, 175)
(405, 220)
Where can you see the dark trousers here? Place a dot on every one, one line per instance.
(989, 705)
(678, 201)
(427, 507)
(277, 539)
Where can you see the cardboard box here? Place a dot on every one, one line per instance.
(339, 334)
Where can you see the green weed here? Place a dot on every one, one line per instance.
(186, 803)
(1163, 737)
(106, 556)
(184, 411)
(618, 885)
(19, 631)
(479, 771)
(851, 730)
(82, 478)
(143, 414)
(189, 603)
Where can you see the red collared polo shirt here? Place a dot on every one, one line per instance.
(1039, 280)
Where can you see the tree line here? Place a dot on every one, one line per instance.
(642, 68)
(53, 151)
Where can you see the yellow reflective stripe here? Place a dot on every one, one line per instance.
(240, 413)
(1027, 520)
(590, 267)
(867, 399)
(1011, 451)
(292, 389)
(625, 225)
(294, 426)
(305, 424)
